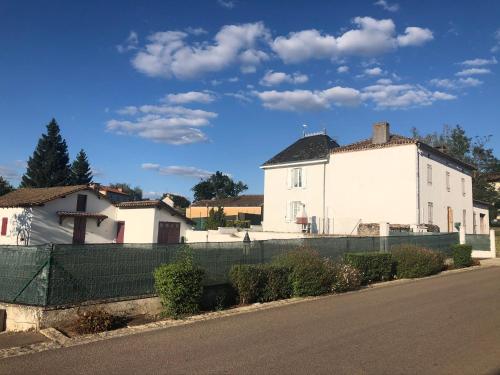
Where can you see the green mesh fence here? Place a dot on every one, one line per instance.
(478, 241)
(70, 274)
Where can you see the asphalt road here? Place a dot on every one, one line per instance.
(444, 325)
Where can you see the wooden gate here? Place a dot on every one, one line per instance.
(169, 232)
(120, 231)
(79, 228)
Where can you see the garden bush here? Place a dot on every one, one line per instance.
(462, 256)
(260, 283)
(412, 262)
(238, 223)
(309, 274)
(97, 321)
(179, 286)
(247, 279)
(346, 278)
(276, 283)
(373, 266)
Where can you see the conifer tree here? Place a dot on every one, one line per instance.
(80, 170)
(5, 186)
(49, 165)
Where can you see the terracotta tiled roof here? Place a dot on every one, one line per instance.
(367, 144)
(241, 201)
(111, 190)
(37, 196)
(311, 147)
(153, 203)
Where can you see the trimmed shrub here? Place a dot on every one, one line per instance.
(346, 278)
(179, 287)
(276, 283)
(373, 266)
(97, 321)
(309, 274)
(260, 283)
(412, 262)
(462, 256)
(247, 279)
(238, 223)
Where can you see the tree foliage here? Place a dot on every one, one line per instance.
(216, 218)
(81, 173)
(49, 165)
(218, 186)
(179, 200)
(5, 186)
(135, 193)
(472, 150)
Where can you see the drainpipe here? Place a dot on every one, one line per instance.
(324, 192)
(418, 184)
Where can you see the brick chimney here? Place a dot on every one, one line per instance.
(381, 133)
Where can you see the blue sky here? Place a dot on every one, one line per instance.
(160, 93)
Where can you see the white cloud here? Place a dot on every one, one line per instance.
(168, 53)
(9, 173)
(276, 78)
(130, 44)
(402, 96)
(385, 5)
(496, 47)
(415, 36)
(472, 71)
(371, 37)
(307, 100)
(163, 123)
(480, 62)
(190, 97)
(240, 95)
(374, 71)
(196, 31)
(455, 84)
(228, 4)
(176, 170)
(343, 69)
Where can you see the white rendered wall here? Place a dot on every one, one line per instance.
(485, 227)
(371, 186)
(164, 215)
(11, 214)
(437, 192)
(139, 224)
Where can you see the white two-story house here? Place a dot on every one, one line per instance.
(317, 185)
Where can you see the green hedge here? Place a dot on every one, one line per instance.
(238, 223)
(179, 286)
(373, 266)
(412, 262)
(346, 278)
(462, 256)
(309, 274)
(260, 283)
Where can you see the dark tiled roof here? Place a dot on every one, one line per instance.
(241, 201)
(493, 177)
(153, 203)
(311, 147)
(38, 196)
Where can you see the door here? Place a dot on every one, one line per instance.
(79, 228)
(169, 232)
(120, 232)
(450, 220)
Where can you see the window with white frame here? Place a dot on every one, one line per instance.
(429, 174)
(430, 212)
(463, 186)
(297, 177)
(295, 209)
(448, 187)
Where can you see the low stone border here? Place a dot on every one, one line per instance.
(59, 340)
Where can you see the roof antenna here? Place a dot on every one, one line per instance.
(304, 127)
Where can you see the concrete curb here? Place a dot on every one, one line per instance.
(59, 340)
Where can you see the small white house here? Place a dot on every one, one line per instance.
(80, 214)
(330, 189)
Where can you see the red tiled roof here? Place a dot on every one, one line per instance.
(241, 201)
(37, 196)
(153, 203)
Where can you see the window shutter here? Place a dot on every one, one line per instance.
(287, 211)
(304, 178)
(4, 226)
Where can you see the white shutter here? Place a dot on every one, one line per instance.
(287, 211)
(304, 178)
